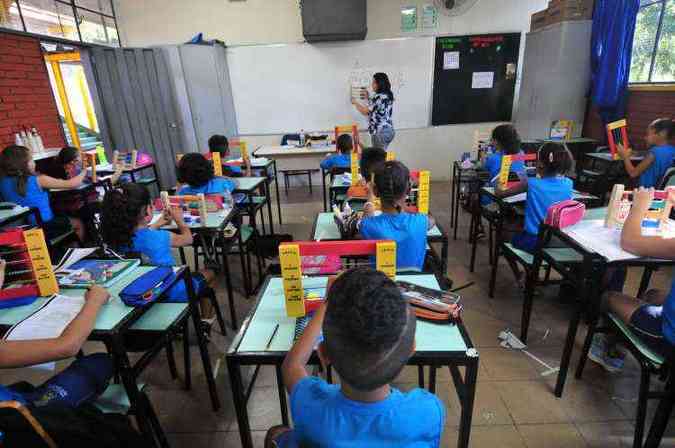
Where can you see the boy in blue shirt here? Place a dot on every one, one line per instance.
(195, 174)
(368, 336)
(343, 158)
(409, 230)
(220, 144)
(660, 157)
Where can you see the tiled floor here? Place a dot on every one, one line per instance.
(515, 405)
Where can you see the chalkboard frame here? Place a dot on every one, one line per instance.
(454, 101)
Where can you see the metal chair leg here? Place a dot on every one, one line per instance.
(187, 362)
(641, 416)
(171, 360)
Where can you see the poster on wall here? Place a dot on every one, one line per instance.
(429, 18)
(451, 60)
(409, 19)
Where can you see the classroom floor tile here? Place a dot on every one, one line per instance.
(514, 407)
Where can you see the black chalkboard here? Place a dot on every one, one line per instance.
(455, 100)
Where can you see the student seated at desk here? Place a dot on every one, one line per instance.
(409, 230)
(125, 226)
(343, 158)
(72, 203)
(84, 380)
(506, 141)
(549, 187)
(220, 144)
(21, 185)
(660, 157)
(651, 317)
(195, 174)
(371, 160)
(368, 353)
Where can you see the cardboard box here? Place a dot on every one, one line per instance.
(565, 10)
(539, 20)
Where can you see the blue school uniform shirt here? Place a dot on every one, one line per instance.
(668, 325)
(35, 196)
(155, 245)
(541, 194)
(663, 159)
(493, 164)
(217, 185)
(408, 230)
(336, 161)
(323, 416)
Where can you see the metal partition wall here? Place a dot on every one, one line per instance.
(134, 96)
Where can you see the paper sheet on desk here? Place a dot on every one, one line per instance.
(520, 197)
(48, 322)
(72, 256)
(593, 235)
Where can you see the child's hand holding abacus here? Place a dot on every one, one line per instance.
(3, 264)
(642, 200)
(625, 153)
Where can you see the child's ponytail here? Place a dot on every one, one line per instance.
(554, 159)
(122, 210)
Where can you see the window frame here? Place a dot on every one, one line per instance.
(649, 84)
(73, 4)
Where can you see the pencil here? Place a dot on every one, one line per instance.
(274, 333)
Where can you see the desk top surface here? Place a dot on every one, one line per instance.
(522, 197)
(267, 151)
(248, 184)
(254, 335)
(110, 316)
(6, 215)
(607, 157)
(214, 220)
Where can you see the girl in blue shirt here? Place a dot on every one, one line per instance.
(343, 159)
(651, 169)
(549, 187)
(195, 174)
(409, 230)
(126, 217)
(21, 185)
(506, 141)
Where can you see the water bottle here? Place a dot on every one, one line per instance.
(302, 138)
(228, 200)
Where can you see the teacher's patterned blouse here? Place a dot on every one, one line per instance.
(381, 108)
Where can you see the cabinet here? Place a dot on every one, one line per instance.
(556, 78)
(202, 92)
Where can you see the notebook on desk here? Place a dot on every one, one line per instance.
(86, 273)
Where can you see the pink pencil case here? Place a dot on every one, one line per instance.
(565, 213)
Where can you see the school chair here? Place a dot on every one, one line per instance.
(24, 412)
(651, 363)
(331, 174)
(115, 400)
(294, 173)
(563, 260)
(668, 179)
(351, 129)
(665, 408)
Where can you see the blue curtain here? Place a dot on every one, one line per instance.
(611, 50)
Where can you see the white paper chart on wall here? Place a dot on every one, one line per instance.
(281, 89)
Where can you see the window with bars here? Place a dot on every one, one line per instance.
(654, 43)
(90, 21)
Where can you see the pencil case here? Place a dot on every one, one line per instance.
(148, 287)
(565, 213)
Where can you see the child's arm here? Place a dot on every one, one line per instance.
(520, 187)
(293, 368)
(117, 174)
(51, 182)
(26, 353)
(632, 170)
(431, 222)
(632, 239)
(184, 236)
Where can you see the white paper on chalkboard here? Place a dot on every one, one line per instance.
(451, 60)
(483, 80)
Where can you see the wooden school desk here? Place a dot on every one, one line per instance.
(292, 158)
(263, 167)
(114, 320)
(325, 229)
(257, 344)
(598, 254)
(211, 239)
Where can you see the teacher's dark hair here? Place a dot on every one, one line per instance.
(383, 85)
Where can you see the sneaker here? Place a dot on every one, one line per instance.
(613, 364)
(598, 354)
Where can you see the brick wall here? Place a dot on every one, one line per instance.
(26, 97)
(643, 108)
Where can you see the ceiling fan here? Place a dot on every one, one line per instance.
(453, 8)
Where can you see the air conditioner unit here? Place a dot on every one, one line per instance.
(334, 20)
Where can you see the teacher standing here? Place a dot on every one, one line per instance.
(379, 111)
